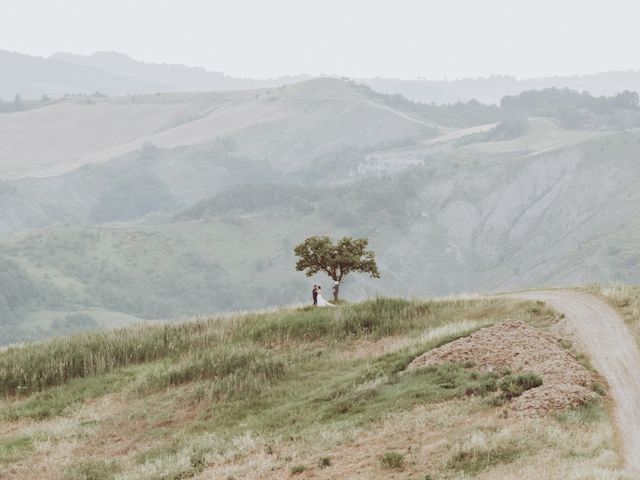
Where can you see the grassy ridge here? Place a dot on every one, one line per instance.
(33, 368)
(279, 392)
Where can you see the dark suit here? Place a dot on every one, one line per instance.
(314, 295)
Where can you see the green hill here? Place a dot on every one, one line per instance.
(293, 392)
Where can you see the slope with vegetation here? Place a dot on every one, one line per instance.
(204, 215)
(294, 393)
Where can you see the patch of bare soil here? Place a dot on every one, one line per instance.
(515, 346)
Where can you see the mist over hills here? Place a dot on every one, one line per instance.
(168, 205)
(112, 74)
(117, 74)
(491, 89)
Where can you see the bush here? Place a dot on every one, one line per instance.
(484, 386)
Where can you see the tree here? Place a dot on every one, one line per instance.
(17, 102)
(319, 254)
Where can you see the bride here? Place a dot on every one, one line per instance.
(321, 301)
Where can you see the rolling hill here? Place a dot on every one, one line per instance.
(32, 77)
(285, 125)
(111, 74)
(117, 74)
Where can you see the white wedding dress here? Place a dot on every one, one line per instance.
(323, 303)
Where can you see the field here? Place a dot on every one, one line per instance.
(297, 393)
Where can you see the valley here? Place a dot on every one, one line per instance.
(137, 226)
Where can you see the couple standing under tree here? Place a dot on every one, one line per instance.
(318, 299)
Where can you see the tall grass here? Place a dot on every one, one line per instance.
(32, 368)
(235, 371)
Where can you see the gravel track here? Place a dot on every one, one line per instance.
(614, 353)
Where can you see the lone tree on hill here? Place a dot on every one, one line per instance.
(320, 254)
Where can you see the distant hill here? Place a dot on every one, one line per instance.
(177, 77)
(491, 89)
(32, 77)
(117, 74)
(486, 90)
(289, 126)
(112, 74)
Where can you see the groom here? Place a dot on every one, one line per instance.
(314, 294)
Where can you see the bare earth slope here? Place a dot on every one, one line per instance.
(614, 353)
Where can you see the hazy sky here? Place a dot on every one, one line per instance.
(358, 38)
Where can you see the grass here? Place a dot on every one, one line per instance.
(56, 400)
(231, 392)
(624, 298)
(480, 452)
(13, 449)
(96, 470)
(24, 370)
(234, 371)
(515, 385)
(296, 469)
(393, 461)
(589, 413)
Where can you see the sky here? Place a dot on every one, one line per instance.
(430, 39)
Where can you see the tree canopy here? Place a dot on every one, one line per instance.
(319, 254)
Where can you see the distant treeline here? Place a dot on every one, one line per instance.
(577, 110)
(18, 104)
(571, 108)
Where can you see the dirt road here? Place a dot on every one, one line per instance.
(614, 352)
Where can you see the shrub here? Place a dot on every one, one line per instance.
(297, 469)
(324, 462)
(515, 385)
(474, 458)
(97, 470)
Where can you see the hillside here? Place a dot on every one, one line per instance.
(566, 215)
(304, 393)
(290, 124)
(168, 206)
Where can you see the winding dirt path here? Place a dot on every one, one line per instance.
(614, 353)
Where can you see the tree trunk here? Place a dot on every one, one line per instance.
(336, 292)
